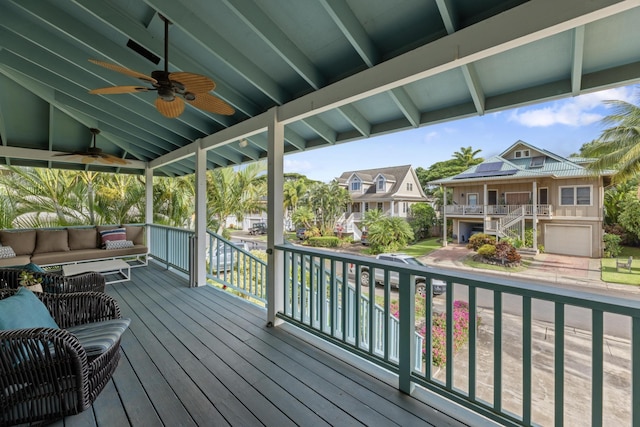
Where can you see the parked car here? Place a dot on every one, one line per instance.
(438, 286)
(300, 233)
(227, 256)
(258, 228)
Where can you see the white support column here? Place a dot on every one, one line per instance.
(485, 206)
(148, 205)
(201, 215)
(275, 213)
(444, 216)
(534, 199)
(392, 207)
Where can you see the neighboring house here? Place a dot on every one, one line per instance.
(528, 187)
(391, 190)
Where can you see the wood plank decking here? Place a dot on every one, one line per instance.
(203, 357)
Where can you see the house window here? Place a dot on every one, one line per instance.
(522, 153)
(380, 206)
(381, 183)
(356, 185)
(404, 207)
(409, 186)
(570, 196)
(472, 199)
(366, 206)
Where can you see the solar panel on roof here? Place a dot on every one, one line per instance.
(486, 174)
(489, 167)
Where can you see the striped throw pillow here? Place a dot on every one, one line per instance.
(114, 234)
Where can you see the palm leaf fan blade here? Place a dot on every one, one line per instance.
(212, 104)
(194, 83)
(113, 90)
(123, 70)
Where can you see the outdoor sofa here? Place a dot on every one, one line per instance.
(47, 247)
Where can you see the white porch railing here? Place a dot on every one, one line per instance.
(475, 210)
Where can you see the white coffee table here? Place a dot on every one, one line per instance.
(116, 267)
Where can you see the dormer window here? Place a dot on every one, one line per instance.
(537, 162)
(356, 184)
(520, 154)
(381, 184)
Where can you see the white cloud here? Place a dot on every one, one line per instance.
(579, 111)
(430, 136)
(297, 166)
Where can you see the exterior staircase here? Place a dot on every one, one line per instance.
(511, 225)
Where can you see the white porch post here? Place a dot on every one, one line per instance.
(534, 199)
(444, 216)
(392, 206)
(275, 213)
(148, 205)
(485, 207)
(201, 215)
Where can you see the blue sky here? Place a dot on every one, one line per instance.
(558, 126)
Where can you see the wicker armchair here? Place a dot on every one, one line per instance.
(55, 283)
(45, 373)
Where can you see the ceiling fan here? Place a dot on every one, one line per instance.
(172, 88)
(94, 153)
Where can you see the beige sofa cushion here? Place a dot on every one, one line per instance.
(82, 238)
(22, 242)
(51, 241)
(135, 233)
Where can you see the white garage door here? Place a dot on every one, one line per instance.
(568, 239)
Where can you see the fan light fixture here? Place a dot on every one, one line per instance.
(243, 143)
(173, 88)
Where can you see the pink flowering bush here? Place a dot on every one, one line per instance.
(439, 333)
(439, 329)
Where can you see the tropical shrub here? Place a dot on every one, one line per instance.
(505, 251)
(487, 251)
(480, 239)
(612, 246)
(324, 242)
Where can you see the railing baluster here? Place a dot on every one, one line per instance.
(559, 365)
(497, 351)
(526, 360)
(597, 363)
(473, 337)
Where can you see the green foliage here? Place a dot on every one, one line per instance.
(629, 217)
(370, 217)
(461, 161)
(614, 197)
(324, 241)
(487, 250)
(389, 234)
(612, 245)
(302, 217)
(421, 218)
(329, 201)
(618, 146)
(480, 239)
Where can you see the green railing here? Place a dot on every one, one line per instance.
(517, 333)
(227, 263)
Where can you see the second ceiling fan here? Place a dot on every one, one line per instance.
(173, 88)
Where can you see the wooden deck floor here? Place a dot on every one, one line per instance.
(202, 357)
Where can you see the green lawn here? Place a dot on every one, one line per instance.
(422, 248)
(612, 275)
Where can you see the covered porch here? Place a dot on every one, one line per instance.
(200, 356)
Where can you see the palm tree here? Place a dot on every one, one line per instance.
(173, 200)
(618, 147)
(120, 198)
(293, 193)
(329, 201)
(466, 156)
(234, 193)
